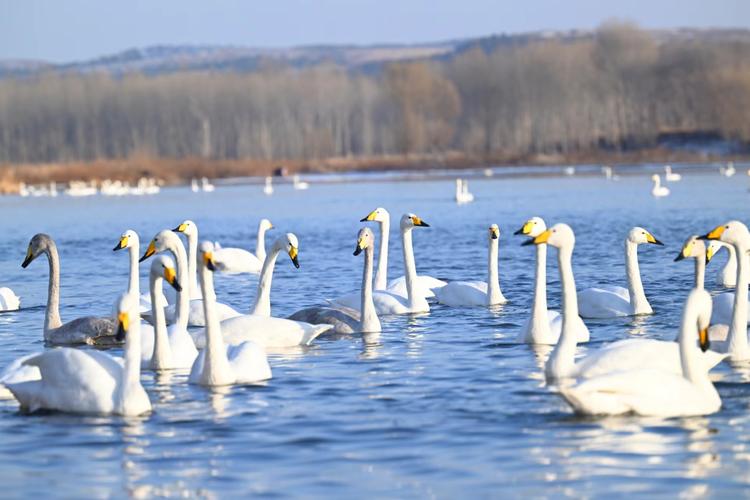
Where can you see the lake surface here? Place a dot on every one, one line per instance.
(438, 405)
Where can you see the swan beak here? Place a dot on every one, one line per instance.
(208, 260)
(123, 321)
(715, 234)
(684, 253)
(494, 233)
(542, 238)
(703, 339)
(181, 228)
(419, 222)
(171, 276)
(28, 259)
(650, 238)
(121, 244)
(360, 246)
(710, 252)
(525, 229)
(293, 256)
(151, 250)
(369, 217)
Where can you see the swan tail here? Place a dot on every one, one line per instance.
(315, 331)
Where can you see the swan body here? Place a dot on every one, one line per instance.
(238, 260)
(462, 192)
(89, 382)
(477, 293)
(298, 184)
(9, 301)
(654, 391)
(658, 191)
(217, 365)
(544, 326)
(610, 301)
(670, 176)
(17, 371)
(268, 187)
(346, 320)
(86, 330)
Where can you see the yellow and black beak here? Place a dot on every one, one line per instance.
(526, 228)
(650, 238)
(171, 276)
(542, 238)
(369, 217)
(208, 260)
(293, 255)
(123, 243)
(361, 245)
(151, 250)
(703, 341)
(181, 228)
(28, 259)
(494, 233)
(123, 323)
(715, 233)
(685, 252)
(710, 252)
(418, 222)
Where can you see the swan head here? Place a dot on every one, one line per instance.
(692, 248)
(163, 267)
(559, 236)
(699, 303)
(187, 228)
(639, 236)
(494, 232)
(39, 244)
(713, 247)
(264, 225)
(409, 221)
(128, 239)
(733, 232)
(289, 243)
(655, 178)
(380, 214)
(206, 255)
(126, 314)
(365, 239)
(533, 227)
(163, 241)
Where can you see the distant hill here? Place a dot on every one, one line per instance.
(162, 59)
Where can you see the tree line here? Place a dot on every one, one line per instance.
(616, 89)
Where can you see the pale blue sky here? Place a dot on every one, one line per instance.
(67, 30)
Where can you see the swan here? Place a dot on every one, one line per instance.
(462, 192)
(658, 190)
(612, 301)
(425, 283)
(346, 320)
(544, 326)
(695, 248)
(9, 301)
(268, 187)
(263, 329)
(90, 381)
(670, 176)
(477, 293)
(388, 301)
(654, 391)
(161, 350)
(299, 184)
(629, 354)
(239, 260)
(727, 277)
(86, 330)
(287, 242)
(130, 240)
(732, 338)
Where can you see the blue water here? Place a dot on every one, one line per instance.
(438, 405)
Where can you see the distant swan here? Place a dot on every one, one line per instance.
(239, 260)
(86, 330)
(90, 381)
(612, 301)
(658, 190)
(217, 365)
(345, 320)
(670, 176)
(477, 293)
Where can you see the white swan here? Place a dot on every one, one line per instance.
(656, 391)
(345, 320)
(387, 301)
(670, 176)
(9, 301)
(477, 293)
(695, 248)
(298, 184)
(727, 277)
(86, 330)
(658, 190)
(287, 242)
(732, 338)
(544, 326)
(612, 301)
(268, 187)
(238, 260)
(163, 349)
(462, 192)
(130, 240)
(218, 365)
(89, 381)
(261, 329)
(630, 354)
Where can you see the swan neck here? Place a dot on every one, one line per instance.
(738, 344)
(260, 243)
(183, 296)
(539, 324)
(192, 238)
(410, 267)
(369, 317)
(132, 352)
(700, 271)
(52, 315)
(563, 355)
(381, 276)
(215, 364)
(638, 301)
(162, 352)
(262, 305)
(133, 279)
(494, 295)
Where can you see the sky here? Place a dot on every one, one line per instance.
(74, 30)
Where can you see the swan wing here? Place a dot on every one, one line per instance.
(344, 321)
(462, 293)
(265, 331)
(87, 330)
(236, 260)
(17, 371)
(9, 301)
(604, 302)
(249, 363)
